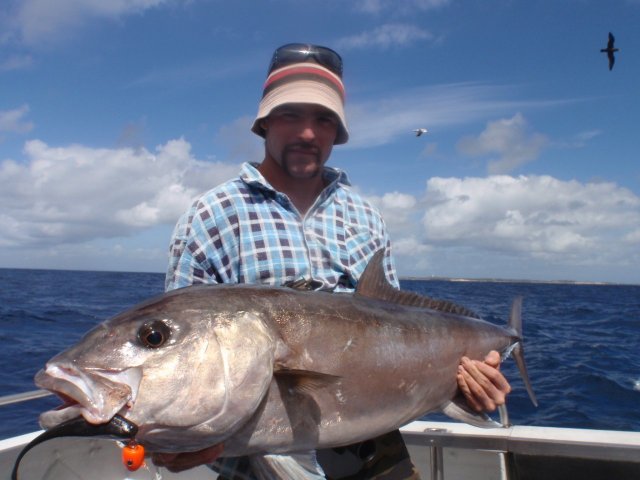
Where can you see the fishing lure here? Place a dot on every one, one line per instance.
(118, 427)
(133, 456)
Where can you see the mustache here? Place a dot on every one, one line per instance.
(302, 146)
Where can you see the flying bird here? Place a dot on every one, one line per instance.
(420, 131)
(610, 50)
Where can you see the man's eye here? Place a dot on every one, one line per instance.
(288, 115)
(328, 120)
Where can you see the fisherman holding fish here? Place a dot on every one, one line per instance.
(291, 219)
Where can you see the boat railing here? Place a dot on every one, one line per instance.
(23, 397)
(525, 452)
(516, 452)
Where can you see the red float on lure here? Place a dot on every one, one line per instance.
(133, 456)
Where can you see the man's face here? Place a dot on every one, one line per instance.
(299, 138)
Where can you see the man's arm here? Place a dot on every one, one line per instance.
(193, 257)
(177, 246)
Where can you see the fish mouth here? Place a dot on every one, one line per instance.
(95, 394)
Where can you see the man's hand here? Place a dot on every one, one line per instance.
(482, 384)
(177, 462)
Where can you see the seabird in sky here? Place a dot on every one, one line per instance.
(420, 131)
(610, 50)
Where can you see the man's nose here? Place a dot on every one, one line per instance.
(307, 129)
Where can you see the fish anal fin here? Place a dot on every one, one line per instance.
(373, 284)
(458, 409)
(294, 465)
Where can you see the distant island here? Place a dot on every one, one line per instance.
(503, 280)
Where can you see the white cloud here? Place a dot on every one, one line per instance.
(16, 62)
(397, 201)
(583, 137)
(76, 193)
(579, 140)
(14, 120)
(401, 213)
(406, 6)
(38, 22)
(412, 256)
(385, 36)
(388, 117)
(65, 202)
(516, 227)
(536, 214)
(633, 237)
(510, 139)
(198, 72)
(398, 210)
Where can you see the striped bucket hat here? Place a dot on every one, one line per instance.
(303, 73)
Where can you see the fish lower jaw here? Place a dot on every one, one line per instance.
(92, 395)
(55, 417)
(83, 406)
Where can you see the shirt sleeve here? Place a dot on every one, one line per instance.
(389, 262)
(373, 239)
(187, 263)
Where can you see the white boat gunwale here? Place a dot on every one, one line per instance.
(426, 440)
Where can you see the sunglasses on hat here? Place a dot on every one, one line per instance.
(302, 52)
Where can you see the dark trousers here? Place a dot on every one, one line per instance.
(382, 458)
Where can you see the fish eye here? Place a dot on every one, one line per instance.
(154, 334)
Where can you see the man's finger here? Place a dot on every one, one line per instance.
(493, 359)
(492, 379)
(482, 390)
(464, 387)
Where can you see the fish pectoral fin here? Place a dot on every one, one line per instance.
(304, 381)
(458, 409)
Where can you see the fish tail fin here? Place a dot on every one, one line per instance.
(515, 317)
(515, 325)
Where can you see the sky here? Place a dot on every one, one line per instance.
(115, 114)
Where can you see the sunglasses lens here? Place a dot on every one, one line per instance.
(300, 52)
(329, 59)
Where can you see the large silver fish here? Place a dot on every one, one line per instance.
(274, 369)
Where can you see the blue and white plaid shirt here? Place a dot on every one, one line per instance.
(244, 231)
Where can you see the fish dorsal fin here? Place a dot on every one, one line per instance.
(374, 284)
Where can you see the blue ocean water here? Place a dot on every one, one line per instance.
(582, 342)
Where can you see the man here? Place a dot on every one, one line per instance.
(291, 218)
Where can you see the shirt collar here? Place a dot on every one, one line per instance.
(250, 175)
